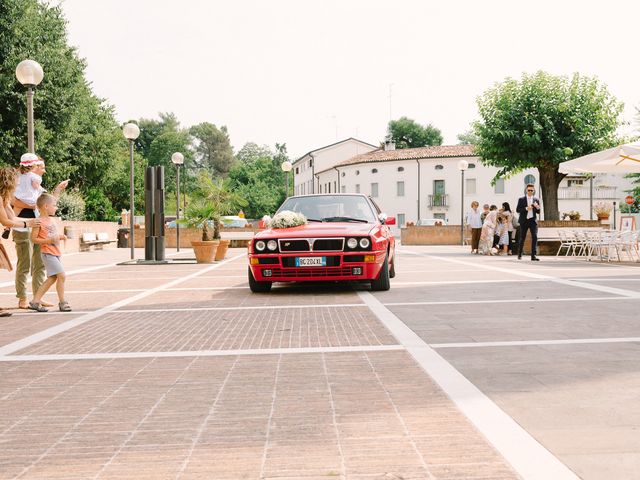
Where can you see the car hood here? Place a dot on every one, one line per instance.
(315, 229)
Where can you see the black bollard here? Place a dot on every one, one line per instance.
(149, 193)
(158, 213)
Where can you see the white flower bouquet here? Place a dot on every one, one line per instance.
(287, 219)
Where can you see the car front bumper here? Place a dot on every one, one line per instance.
(339, 267)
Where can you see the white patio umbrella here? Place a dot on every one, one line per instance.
(622, 159)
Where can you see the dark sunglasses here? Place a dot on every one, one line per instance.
(530, 190)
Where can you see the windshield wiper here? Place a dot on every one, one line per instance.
(314, 220)
(344, 219)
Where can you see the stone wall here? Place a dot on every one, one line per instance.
(431, 235)
(239, 236)
(73, 245)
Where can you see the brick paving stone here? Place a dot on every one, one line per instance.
(300, 416)
(23, 324)
(219, 330)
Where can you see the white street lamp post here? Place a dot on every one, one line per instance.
(177, 159)
(131, 132)
(29, 73)
(462, 166)
(286, 167)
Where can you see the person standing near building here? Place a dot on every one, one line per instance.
(475, 223)
(528, 210)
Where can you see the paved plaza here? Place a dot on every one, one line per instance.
(470, 367)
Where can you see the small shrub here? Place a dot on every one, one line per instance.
(71, 205)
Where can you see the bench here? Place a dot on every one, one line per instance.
(90, 239)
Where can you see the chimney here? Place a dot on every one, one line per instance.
(389, 145)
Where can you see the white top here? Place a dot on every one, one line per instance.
(27, 191)
(529, 203)
(473, 218)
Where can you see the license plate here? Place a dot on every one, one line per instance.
(311, 261)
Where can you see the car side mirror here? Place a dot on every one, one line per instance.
(390, 221)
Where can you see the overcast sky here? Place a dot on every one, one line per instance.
(310, 72)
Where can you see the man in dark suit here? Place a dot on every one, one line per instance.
(528, 209)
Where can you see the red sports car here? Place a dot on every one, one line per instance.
(346, 237)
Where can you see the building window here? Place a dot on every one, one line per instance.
(575, 183)
(357, 188)
(297, 170)
(374, 170)
(374, 190)
(529, 179)
(471, 165)
(499, 186)
(328, 186)
(320, 187)
(439, 167)
(471, 186)
(335, 187)
(401, 169)
(400, 189)
(343, 189)
(400, 219)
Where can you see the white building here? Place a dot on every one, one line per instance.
(419, 183)
(305, 168)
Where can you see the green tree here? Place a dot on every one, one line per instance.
(259, 179)
(212, 148)
(161, 149)
(75, 131)
(407, 133)
(467, 138)
(151, 128)
(541, 121)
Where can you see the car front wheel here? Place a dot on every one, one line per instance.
(382, 282)
(258, 287)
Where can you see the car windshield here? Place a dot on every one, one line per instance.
(331, 208)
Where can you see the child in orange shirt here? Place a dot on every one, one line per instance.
(47, 236)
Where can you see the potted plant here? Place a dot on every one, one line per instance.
(602, 210)
(212, 199)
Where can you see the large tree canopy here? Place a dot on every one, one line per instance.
(542, 120)
(407, 133)
(75, 131)
(213, 148)
(259, 179)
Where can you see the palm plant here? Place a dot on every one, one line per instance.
(213, 198)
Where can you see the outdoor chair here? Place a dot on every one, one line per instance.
(566, 242)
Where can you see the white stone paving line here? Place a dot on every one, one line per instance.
(509, 300)
(537, 276)
(524, 343)
(253, 307)
(197, 353)
(530, 459)
(50, 332)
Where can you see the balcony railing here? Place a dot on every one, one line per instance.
(581, 193)
(439, 200)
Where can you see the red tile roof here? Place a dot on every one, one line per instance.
(440, 151)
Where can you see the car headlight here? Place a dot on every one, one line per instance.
(364, 243)
(260, 245)
(352, 243)
(272, 245)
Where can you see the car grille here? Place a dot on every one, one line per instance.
(304, 245)
(328, 245)
(293, 245)
(306, 272)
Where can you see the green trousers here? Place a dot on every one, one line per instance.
(29, 261)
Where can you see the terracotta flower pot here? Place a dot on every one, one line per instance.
(221, 252)
(205, 251)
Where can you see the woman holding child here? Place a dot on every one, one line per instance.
(8, 184)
